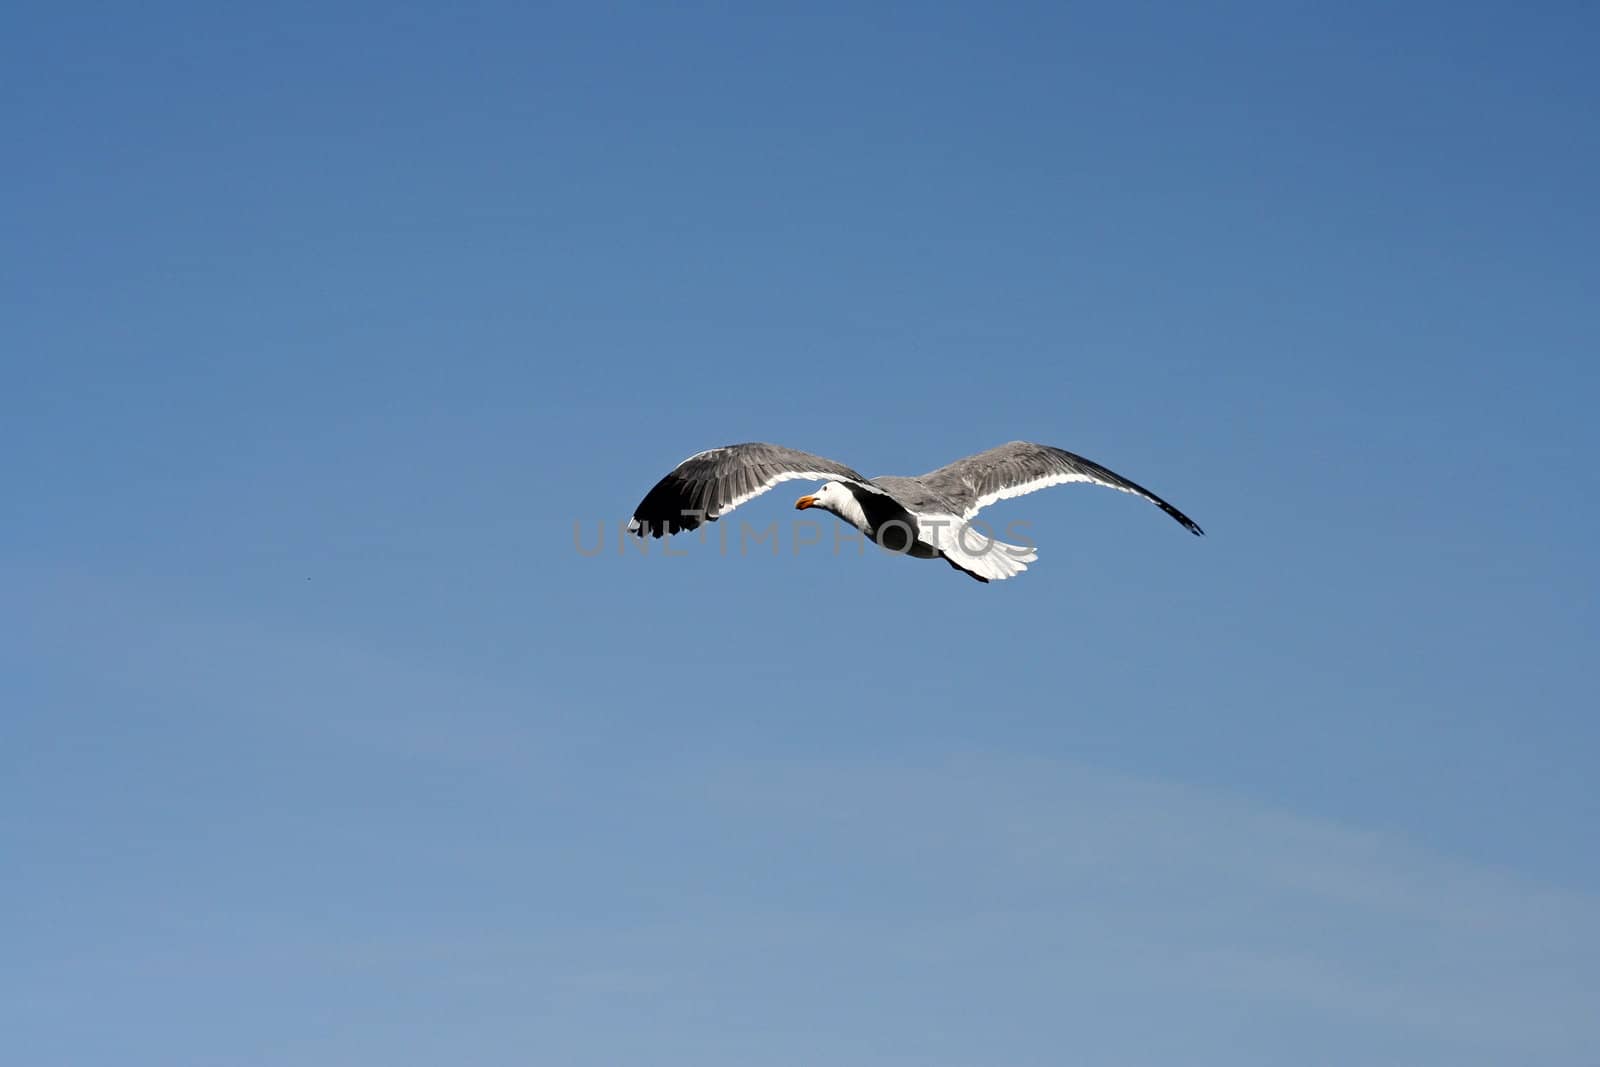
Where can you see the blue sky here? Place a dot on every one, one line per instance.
(323, 326)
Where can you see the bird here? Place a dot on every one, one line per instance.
(925, 517)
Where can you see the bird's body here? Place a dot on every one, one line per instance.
(926, 517)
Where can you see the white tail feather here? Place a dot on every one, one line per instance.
(971, 551)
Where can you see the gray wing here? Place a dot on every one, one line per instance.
(1019, 467)
(712, 483)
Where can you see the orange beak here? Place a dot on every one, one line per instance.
(806, 502)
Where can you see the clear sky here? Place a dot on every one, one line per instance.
(323, 324)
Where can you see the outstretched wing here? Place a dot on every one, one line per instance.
(1019, 467)
(712, 483)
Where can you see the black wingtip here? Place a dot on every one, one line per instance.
(643, 528)
(1179, 517)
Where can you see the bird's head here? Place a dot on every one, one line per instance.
(827, 498)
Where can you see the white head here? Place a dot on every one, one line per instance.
(837, 498)
(832, 497)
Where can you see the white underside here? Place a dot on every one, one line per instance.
(972, 551)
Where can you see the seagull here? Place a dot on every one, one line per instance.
(926, 517)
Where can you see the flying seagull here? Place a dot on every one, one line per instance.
(925, 517)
